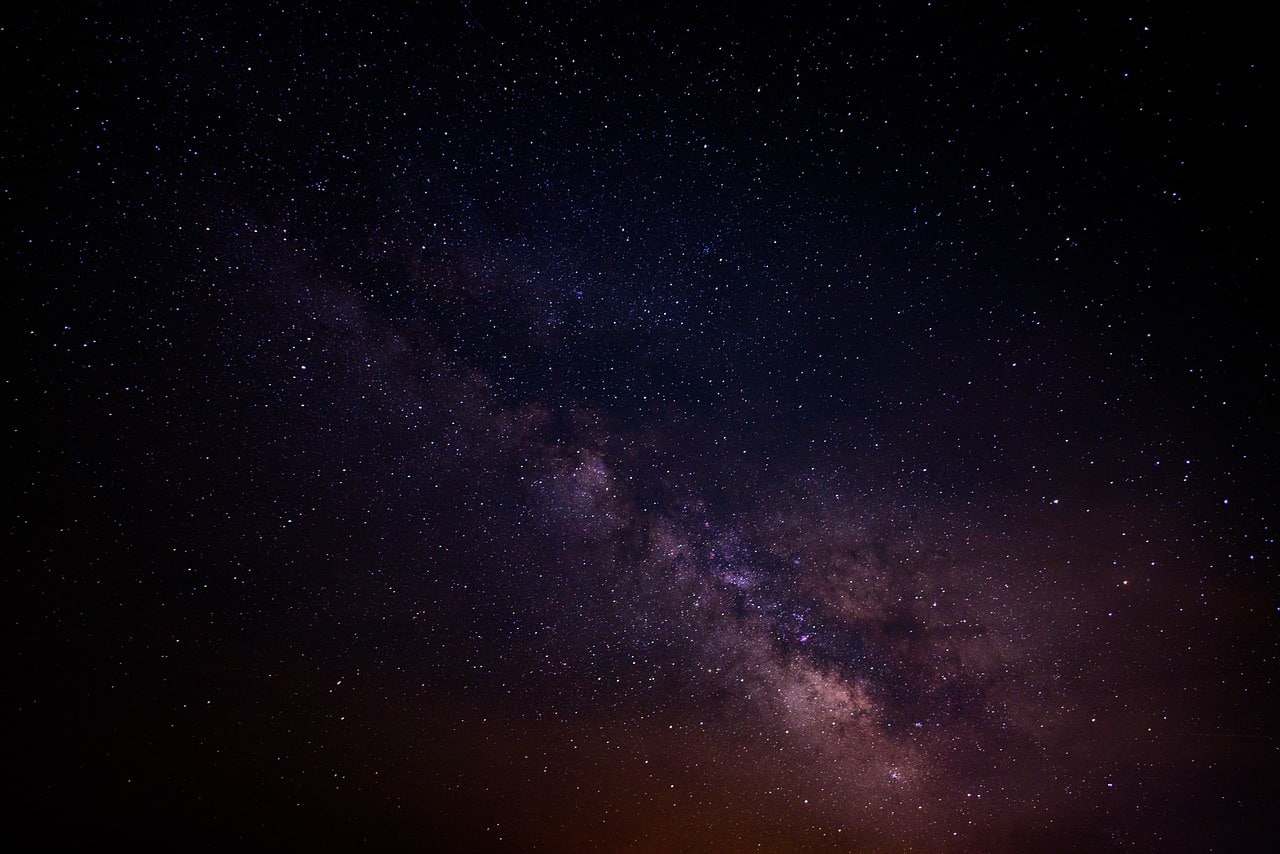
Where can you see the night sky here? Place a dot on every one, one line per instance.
(493, 426)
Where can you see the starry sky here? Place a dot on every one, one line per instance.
(497, 426)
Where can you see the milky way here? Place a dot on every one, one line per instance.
(588, 429)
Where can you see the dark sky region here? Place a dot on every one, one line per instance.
(496, 426)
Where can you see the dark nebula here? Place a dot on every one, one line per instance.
(640, 427)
